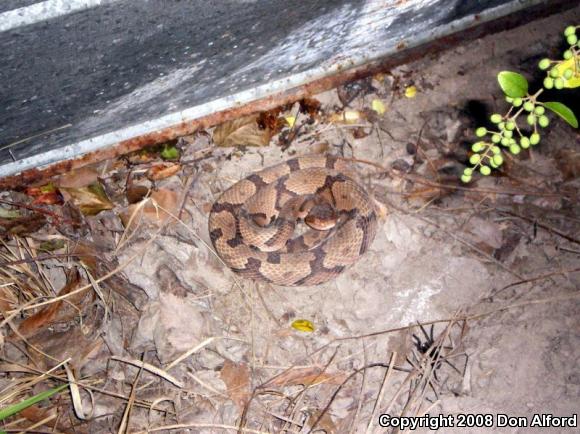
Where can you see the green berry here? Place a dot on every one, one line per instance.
(570, 30)
(528, 106)
(495, 150)
(517, 102)
(512, 141)
(548, 83)
(474, 159)
(477, 147)
(498, 159)
(525, 142)
(508, 134)
(543, 121)
(515, 149)
(465, 178)
(572, 39)
(495, 118)
(531, 119)
(544, 64)
(480, 132)
(509, 99)
(496, 138)
(505, 141)
(484, 170)
(559, 83)
(534, 139)
(492, 164)
(554, 73)
(568, 74)
(468, 171)
(510, 125)
(501, 126)
(568, 54)
(539, 110)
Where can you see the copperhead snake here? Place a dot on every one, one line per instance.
(252, 223)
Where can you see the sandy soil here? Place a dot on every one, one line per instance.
(441, 258)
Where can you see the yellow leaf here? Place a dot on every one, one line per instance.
(303, 325)
(411, 91)
(378, 106)
(290, 120)
(569, 64)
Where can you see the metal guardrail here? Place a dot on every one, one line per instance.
(79, 76)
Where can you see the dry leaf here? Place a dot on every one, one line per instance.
(136, 193)
(79, 178)
(22, 225)
(346, 117)
(303, 325)
(90, 200)
(154, 210)
(54, 312)
(310, 106)
(307, 377)
(237, 379)
(323, 422)
(271, 120)
(52, 198)
(290, 120)
(410, 91)
(241, 132)
(378, 106)
(162, 171)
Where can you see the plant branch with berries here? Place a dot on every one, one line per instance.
(520, 127)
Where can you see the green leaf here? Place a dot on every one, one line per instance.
(513, 84)
(563, 111)
(16, 408)
(170, 153)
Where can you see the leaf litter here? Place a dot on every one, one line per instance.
(108, 286)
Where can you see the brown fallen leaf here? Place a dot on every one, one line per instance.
(52, 198)
(79, 178)
(36, 414)
(91, 200)
(162, 171)
(323, 422)
(241, 132)
(22, 225)
(136, 192)
(310, 106)
(153, 211)
(307, 377)
(57, 311)
(272, 120)
(236, 376)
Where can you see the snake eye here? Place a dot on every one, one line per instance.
(321, 217)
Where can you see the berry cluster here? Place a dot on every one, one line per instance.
(511, 136)
(559, 72)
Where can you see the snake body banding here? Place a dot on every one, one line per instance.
(252, 224)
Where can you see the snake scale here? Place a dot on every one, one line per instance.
(254, 225)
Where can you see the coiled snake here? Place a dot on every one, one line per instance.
(252, 223)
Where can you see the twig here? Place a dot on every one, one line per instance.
(37, 209)
(382, 391)
(533, 279)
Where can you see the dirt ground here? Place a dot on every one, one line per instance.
(467, 302)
